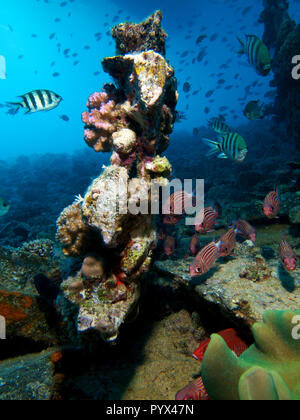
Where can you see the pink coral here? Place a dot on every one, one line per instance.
(97, 99)
(103, 119)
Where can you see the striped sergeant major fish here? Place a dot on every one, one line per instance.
(254, 110)
(219, 125)
(229, 146)
(257, 53)
(35, 101)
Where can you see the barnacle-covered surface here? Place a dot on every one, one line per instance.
(100, 206)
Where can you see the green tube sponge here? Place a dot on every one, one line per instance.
(257, 384)
(273, 361)
(220, 370)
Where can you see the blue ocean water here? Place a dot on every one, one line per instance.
(58, 45)
(25, 29)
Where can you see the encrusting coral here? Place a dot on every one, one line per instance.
(92, 267)
(268, 370)
(110, 227)
(72, 231)
(147, 35)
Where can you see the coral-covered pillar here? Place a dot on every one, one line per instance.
(131, 118)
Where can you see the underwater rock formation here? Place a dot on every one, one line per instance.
(147, 35)
(133, 119)
(18, 265)
(35, 379)
(30, 315)
(268, 370)
(240, 288)
(283, 35)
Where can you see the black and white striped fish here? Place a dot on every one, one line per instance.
(35, 101)
(219, 125)
(257, 53)
(230, 145)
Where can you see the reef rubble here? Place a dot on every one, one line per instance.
(240, 288)
(28, 316)
(35, 378)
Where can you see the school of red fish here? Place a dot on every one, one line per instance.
(206, 219)
(206, 258)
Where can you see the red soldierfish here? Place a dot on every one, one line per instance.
(205, 220)
(233, 341)
(169, 245)
(287, 256)
(193, 391)
(171, 219)
(226, 243)
(175, 204)
(245, 230)
(194, 245)
(272, 204)
(204, 260)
